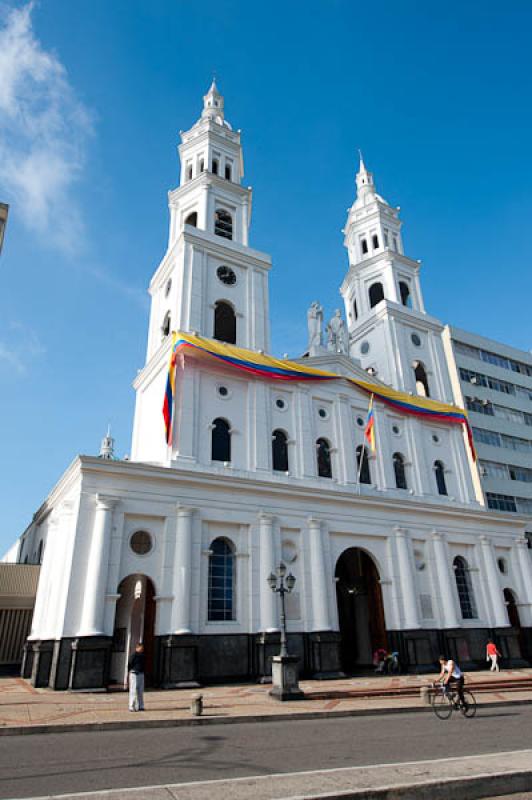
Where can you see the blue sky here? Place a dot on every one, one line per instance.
(92, 96)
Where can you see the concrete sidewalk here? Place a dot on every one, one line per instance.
(24, 709)
(468, 778)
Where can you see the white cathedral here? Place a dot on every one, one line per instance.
(390, 548)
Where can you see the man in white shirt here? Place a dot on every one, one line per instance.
(451, 675)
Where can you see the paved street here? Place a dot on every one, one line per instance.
(61, 763)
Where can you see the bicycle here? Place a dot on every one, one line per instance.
(445, 700)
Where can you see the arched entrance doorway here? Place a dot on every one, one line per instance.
(134, 623)
(360, 609)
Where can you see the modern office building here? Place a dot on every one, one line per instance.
(493, 381)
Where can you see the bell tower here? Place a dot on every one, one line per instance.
(389, 331)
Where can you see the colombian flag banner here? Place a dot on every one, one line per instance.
(276, 369)
(369, 430)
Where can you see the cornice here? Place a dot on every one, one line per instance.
(209, 179)
(299, 489)
(387, 255)
(217, 244)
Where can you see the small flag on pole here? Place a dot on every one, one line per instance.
(369, 430)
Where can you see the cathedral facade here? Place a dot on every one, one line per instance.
(390, 547)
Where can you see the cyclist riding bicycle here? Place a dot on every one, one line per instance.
(451, 676)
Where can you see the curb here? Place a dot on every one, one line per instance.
(121, 725)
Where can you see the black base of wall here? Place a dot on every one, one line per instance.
(82, 664)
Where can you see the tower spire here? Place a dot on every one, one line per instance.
(213, 104)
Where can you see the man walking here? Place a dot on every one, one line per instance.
(136, 679)
(493, 655)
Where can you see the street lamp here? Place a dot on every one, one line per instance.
(284, 667)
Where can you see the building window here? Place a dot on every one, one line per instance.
(404, 291)
(376, 294)
(280, 451)
(439, 472)
(364, 246)
(228, 172)
(221, 440)
(221, 602)
(501, 502)
(189, 172)
(355, 308)
(420, 376)
(223, 223)
(141, 543)
(201, 165)
(363, 464)
(167, 323)
(465, 588)
(375, 241)
(323, 455)
(40, 552)
(503, 566)
(215, 166)
(192, 219)
(226, 275)
(399, 471)
(528, 537)
(224, 322)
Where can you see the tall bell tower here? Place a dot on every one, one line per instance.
(210, 281)
(389, 331)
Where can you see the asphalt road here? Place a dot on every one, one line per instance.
(44, 764)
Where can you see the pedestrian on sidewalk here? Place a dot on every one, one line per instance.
(493, 655)
(136, 679)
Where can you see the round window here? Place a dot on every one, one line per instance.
(503, 567)
(223, 391)
(280, 403)
(435, 439)
(395, 429)
(168, 287)
(141, 543)
(226, 275)
(360, 422)
(364, 348)
(322, 413)
(416, 339)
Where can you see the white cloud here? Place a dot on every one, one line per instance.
(43, 132)
(18, 346)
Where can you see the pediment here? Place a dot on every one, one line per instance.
(343, 365)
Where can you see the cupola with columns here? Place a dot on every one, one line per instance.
(389, 330)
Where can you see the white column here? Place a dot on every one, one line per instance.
(268, 600)
(500, 615)
(525, 564)
(320, 599)
(182, 571)
(407, 579)
(446, 581)
(97, 566)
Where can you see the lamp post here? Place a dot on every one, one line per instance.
(284, 667)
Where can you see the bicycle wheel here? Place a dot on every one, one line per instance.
(442, 705)
(471, 705)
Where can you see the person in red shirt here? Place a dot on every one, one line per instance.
(493, 655)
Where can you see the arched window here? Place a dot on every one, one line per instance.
(221, 440)
(189, 172)
(223, 223)
(364, 246)
(221, 600)
(280, 451)
(404, 291)
(167, 323)
(228, 172)
(224, 322)
(201, 165)
(465, 589)
(422, 383)
(355, 308)
(323, 455)
(399, 470)
(376, 294)
(375, 241)
(439, 472)
(215, 166)
(363, 468)
(192, 219)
